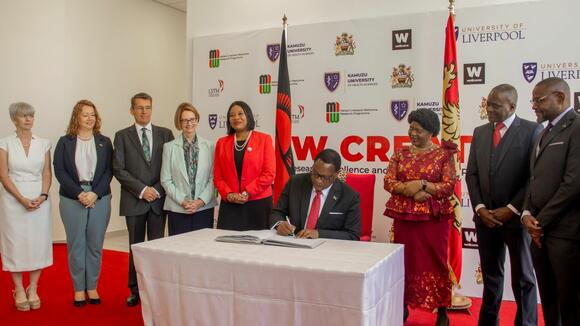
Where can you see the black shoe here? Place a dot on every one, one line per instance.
(133, 300)
(95, 301)
(405, 313)
(442, 317)
(79, 304)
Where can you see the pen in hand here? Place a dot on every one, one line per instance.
(291, 234)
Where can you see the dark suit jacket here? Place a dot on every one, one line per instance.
(340, 215)
(65, 168)
(553, 195)
(135, 173)
(498, 177)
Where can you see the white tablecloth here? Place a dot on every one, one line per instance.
(190, 279)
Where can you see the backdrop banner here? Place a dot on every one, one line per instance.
(354, 83)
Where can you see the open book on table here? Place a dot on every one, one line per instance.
(269, 237)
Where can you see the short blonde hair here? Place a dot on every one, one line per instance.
(180, 109)
(73, 125)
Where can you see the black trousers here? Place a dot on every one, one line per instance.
(150, 224)
(557, 266)
(182, 223)
(492, 243)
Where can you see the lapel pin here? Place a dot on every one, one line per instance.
(334, 197)
(249, 149)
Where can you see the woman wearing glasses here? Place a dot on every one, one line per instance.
(245, 168)
(187, 175)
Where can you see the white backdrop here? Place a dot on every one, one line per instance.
(493, 44)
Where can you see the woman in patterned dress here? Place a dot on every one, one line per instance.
(420, 178)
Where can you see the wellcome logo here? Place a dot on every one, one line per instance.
(492, 33)
(214, 58)
(402, 39)
(473, 73)
(469, 238)
(265, 84)
(332, 112)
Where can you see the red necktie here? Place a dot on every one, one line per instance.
(497, 134)
(314, 212)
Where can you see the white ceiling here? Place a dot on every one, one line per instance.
(180, 5)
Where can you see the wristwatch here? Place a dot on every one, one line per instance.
(423, 185)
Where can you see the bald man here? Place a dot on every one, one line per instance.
(497, 174)
(552, 205)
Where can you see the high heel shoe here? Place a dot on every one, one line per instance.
(22, 305)
(95, 299)
(34, 299)
(79, 303)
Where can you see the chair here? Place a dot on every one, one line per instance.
(364, 184)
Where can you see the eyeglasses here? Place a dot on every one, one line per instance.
(540, 100)
(188, 121)
(325, 178)
(142, 108)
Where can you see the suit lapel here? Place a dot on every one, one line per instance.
(135, 139)
(179, 157)
(332, 198)
(99, 146)
(72, 153)
(485, 149)
(507, 140)
(564, 123)
(305, 192)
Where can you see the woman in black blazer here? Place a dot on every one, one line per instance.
(83, 167)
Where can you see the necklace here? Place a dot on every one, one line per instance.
(241, 147)
(85, 138)
(418, 149)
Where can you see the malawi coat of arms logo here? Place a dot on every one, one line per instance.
(402, 76)
(344, 44)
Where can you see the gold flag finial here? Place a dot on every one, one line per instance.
(452, 7)
(284, 19)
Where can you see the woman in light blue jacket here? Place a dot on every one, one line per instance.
(187, 175)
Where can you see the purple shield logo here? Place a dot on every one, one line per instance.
(529, 69)
(273, 51)
(212, 120)
(456, 33)
(331, 80)
(399, 109)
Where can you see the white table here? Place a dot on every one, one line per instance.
(190, 279)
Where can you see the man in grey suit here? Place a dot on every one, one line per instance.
(137, 166)
(497, 174)
(552, 204)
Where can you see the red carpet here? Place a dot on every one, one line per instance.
(56, 292)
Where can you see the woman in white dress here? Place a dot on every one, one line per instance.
(25, 214)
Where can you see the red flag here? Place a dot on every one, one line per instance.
(450, 136)
(283, 142)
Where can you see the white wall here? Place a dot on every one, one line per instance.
(56, 52)
(227, 16)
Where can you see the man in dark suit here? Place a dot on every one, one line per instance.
(552, 204)
(137, 166)
(497, 174)
(316, 204)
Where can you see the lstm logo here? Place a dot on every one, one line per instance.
(332, 112)
(265, 84)
(214, 58)
(469, 238)
(355, 148)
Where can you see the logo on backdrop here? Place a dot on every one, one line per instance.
(297, 116)
(469, 238)
(456, 33)
(214, 58)
(563, 69)
(529, 69)
(215, 92)
(273, 51)
(344, 45)
(492, 33)
(332, 112)
(265, 84)
(473, 73)
(402, 39)
(331, 80)
(577, 101)
(483, 108)
(298, 49)
(212, 119)
(399, 109)
(432, 105)
(402, 76)
(360, 79)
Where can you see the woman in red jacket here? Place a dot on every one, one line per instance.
(244, 169)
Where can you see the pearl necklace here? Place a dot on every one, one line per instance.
(241, 147)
